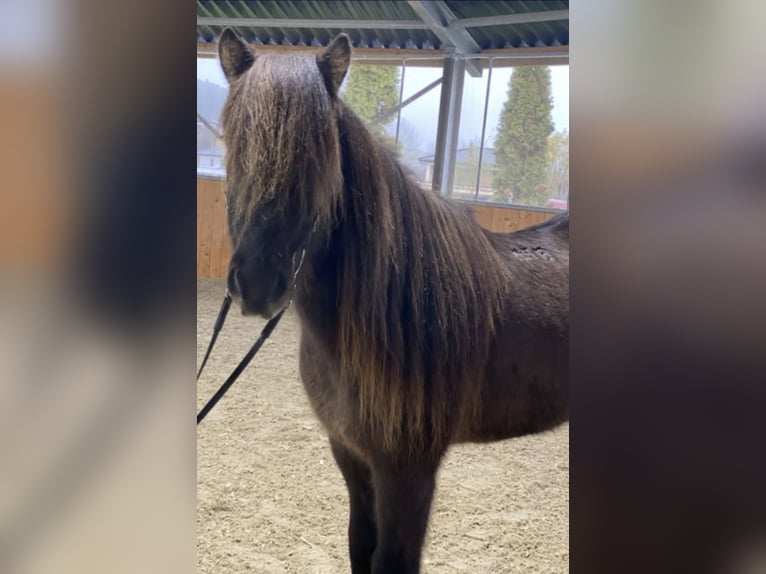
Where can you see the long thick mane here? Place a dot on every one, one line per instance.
(421, 291)
(420, 286)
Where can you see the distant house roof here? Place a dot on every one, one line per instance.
(463, 155)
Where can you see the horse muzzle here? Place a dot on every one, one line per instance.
(256, 296)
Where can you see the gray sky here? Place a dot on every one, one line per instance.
(420, 117)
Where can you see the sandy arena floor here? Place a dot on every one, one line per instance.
(270, 499)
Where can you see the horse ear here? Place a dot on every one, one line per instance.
(236, 58)
(333, 62)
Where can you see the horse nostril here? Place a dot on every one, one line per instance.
(236, 285)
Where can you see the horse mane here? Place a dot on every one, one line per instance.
(420, 293)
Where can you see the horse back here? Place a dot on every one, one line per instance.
(528, 368)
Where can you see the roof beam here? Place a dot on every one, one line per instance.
(509, 19)
(421, 58)
(438, 16)
(387, 114)
(311, 23)
(504, 57)
(209, 125)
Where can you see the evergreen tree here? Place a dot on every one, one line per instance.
(558, 164)
(521, 143)
(371, 91)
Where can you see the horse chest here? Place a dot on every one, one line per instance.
(330, 400)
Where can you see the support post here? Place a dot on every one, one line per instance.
(483, 129)
(449, 123)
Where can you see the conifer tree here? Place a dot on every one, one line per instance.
(370, 91)
(521, 144)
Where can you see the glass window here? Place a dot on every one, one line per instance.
(513, 142)
(419, 119)
(212, 89)
(376, 93)
(524, 154)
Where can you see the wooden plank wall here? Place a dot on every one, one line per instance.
(507, 219)
(214, 248)
(213, 244)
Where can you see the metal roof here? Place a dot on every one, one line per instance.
(466, 26)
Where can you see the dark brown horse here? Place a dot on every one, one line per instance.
(419, 329)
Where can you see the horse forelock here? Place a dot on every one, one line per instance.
(281, 140)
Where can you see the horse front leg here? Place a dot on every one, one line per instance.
(402, 504)
(362, 530)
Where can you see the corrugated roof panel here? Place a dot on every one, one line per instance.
(484, 8)
(367, 38)
(522, 35)
(326, 10)
(533, 34)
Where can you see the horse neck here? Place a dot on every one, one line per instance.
(371, 180)
(378, 264)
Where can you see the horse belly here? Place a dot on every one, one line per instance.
(526, 389)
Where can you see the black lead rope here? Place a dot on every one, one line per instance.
(216, 329)
(267, 330)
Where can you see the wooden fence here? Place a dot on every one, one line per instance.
(214, 248)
